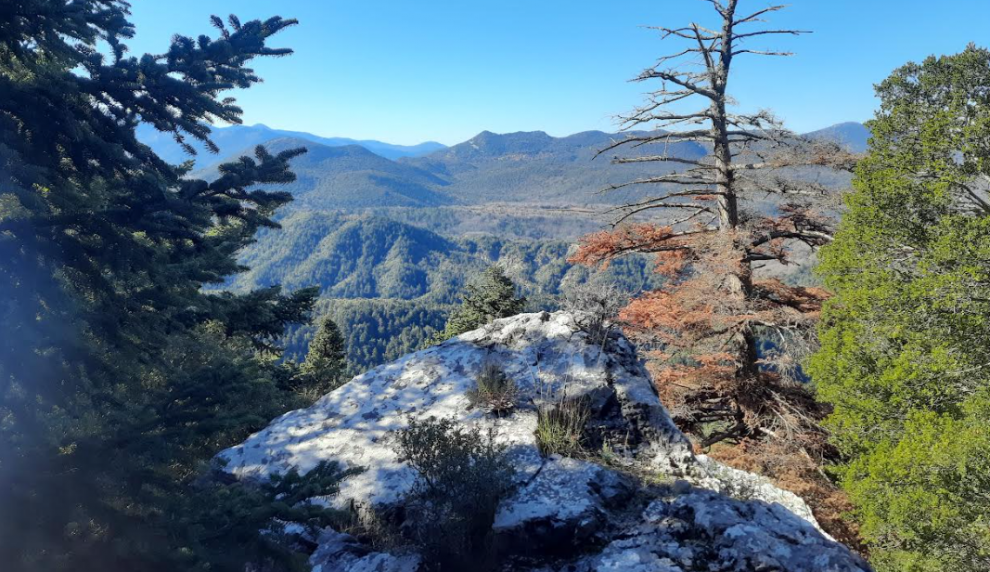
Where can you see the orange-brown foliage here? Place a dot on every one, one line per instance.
(701, 327)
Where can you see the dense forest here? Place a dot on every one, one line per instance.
(157, 312)
(389, 285)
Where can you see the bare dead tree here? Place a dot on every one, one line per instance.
(711, 316)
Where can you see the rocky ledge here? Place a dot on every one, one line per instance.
(649, 505)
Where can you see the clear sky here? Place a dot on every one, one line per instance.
(407, 71)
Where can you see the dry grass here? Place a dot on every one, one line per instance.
(494, 391)
(559, 427)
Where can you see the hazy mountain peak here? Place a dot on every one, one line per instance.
(852, 135)
(234, 138)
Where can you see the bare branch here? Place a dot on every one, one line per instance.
(685, 80)
(659, 158)
(812, 237)
(696, 210)
(705, 50)
(755, 17)
(737, 37)
(762, 53)
(686, 33)
(639, 141)
(667, 180)
(718, 7)
(641, 117)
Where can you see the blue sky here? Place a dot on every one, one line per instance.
(444, 70)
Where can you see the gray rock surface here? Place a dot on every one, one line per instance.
(706, 531)
(562, 508)
(575, 512)
(342, 552)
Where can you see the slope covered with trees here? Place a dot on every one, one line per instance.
(374, 257)
(390, 285)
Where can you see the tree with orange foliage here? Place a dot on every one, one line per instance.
(708, 323)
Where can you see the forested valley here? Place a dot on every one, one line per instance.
(811, 307)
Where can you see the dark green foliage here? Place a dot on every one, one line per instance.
(376, 331)
(905, 342)
(326, 360)
(119, 376)
(489, 297)
(222, 522)
(462, 476)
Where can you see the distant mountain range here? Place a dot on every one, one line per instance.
(853, 136)
(391, 242)
(436, 157)
(351, 177)
(524, 167)
(234, 139)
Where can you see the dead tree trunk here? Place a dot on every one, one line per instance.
(714, 311)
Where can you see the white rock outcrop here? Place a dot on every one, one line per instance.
(590, 517)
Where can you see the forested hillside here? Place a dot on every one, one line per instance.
(389, 284)
(365, 227)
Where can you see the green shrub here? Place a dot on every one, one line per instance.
(463, 474)
(217, 517)
(494, 391)
(559, 427)
(905, 340)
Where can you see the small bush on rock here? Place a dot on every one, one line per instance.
(463, 474)
(559, 427)
(602, 301)
(495, 391)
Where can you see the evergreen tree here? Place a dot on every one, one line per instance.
(326, 361)
(489, 297)
(120, 377)
(905, 342)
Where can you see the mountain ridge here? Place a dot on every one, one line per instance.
(852, 135)
(232, 139)
(525, 167)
